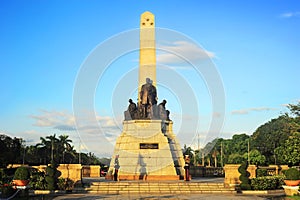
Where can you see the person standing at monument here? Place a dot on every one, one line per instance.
(117, 167)
(187, 167)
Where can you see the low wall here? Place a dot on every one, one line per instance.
(91, 170)
(41, 168)
(232, 174)
(71, 171)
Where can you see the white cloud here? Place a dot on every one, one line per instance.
(285, 105)
(248, 110)
(239, 112)
(64, 120)
(94, 131)
(54, 119)
(290, 14)
(182, 51)
(261, 109)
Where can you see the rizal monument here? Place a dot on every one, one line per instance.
(147, 148)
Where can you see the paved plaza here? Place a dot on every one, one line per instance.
(160, 197)
(164, 196)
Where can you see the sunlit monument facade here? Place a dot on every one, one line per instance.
(147, 148)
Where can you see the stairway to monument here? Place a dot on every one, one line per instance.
(142, 187)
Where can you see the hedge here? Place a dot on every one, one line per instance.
(261, 172)
(267, 182)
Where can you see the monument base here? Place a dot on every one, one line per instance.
(146, 178)
(147, 150)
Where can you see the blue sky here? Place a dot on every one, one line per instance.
(254, 45)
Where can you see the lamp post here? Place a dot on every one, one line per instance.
(221, 154)
(249, 151)
(24, 148)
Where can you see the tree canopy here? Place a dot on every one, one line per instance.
(275, 142)
(50, 148)
(10, 150)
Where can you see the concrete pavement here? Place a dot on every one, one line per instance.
(158, 196)
(163, 196)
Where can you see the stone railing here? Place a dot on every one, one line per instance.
(273, 170)
(232, 175)
(200, 171)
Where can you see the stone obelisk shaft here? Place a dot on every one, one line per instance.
(147, 65)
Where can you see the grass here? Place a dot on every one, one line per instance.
(293, 198)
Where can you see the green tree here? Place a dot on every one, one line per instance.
(65, 149)
(271, 135)
(276, 132)
(235, 158)
(239, 143)
(58, 149)
(295, 109)
(232, 149)
(244, 177)
(289, 152)
(33, 155)
(53, 147)
(255, 157)
(44, 150)
(188, 151)
(10, 150)
(89, 159)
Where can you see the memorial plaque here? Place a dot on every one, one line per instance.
(148, 145)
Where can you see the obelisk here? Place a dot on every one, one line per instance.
(147, 148)
(147, 65)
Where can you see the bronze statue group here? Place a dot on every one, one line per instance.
(147, 107)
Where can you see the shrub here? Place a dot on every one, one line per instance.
(6, 191)
(65, 184)
(292, 174)
(22, 173)
(51, 177)
(244, 177)
(261, 172)
(37, 180)
(267, 182)
(6, 176)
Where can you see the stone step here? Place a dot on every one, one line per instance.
(155, 187)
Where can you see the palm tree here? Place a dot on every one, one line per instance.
(53, 142)
(214, 155)
(47, 146)
(188, 151)
(43, 149)
(64, 144)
